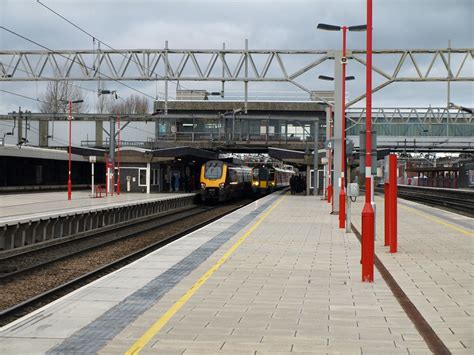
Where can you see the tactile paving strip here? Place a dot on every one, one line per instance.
(95, 335)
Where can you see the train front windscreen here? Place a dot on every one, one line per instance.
(260, 174)
(213, 170)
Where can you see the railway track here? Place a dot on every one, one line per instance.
(60, 269)
(457, 202)
(26, 261)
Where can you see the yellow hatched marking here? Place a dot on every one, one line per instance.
(438, 220)
(160, 323)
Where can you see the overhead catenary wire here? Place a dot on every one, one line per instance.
(74, 61)
(68, 83)
(24, 96)
(107, 45)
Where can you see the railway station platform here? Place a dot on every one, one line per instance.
(30, 218)
(277, 276)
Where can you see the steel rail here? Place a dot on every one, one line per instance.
(458, 205)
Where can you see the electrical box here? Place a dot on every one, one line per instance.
(353, 189)
(379, 172)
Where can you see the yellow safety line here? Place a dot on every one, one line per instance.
(160, 323)
(438, 220)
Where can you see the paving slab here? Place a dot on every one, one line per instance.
(324, 308)
(292, 286)
(433, 266)
(108, 304)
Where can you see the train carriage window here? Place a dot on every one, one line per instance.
(233, 175)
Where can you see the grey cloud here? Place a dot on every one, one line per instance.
(267, 24)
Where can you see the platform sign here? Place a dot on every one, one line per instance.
(92, 159)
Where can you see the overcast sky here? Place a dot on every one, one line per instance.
(401, 24)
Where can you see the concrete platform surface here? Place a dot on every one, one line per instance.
(30, 206)
(277, 276)
(434, 266)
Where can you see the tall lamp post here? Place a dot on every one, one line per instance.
(368, 216)
(112, 144)
(342, 193)
(69, 180)
(118, 153)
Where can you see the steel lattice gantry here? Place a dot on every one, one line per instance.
(414, 65)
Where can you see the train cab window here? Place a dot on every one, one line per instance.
(272, 175)
(263, 173)
(255, 174)
(213, 170)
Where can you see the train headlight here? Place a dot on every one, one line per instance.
(255, 183)
(203, 185)
(221, 185)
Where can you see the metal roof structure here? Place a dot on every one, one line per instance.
(38, 153)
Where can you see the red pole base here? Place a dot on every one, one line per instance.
(329, 193)
(393, 203)
(69, 189)
(386, 198)
(342, 208)
(368, 223)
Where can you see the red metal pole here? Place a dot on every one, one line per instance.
(393, 203)
(368, 218)
(69, 182)
(106, 175)
(112, 171)
(386, 197)
(342, 193)
(118, 155)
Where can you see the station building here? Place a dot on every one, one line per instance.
(148, 170)
(26, 168)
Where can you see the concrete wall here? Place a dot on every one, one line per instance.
(131, 181)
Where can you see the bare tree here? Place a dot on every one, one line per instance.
(56, 95)
(133, 104)
(104, 104)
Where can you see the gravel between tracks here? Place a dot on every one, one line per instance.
(25, 287)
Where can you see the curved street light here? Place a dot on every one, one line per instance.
(69, 181)
(344, 29)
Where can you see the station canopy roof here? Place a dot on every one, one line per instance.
(127, 154)
(291, 156)
(30, 152)
(141, 155)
